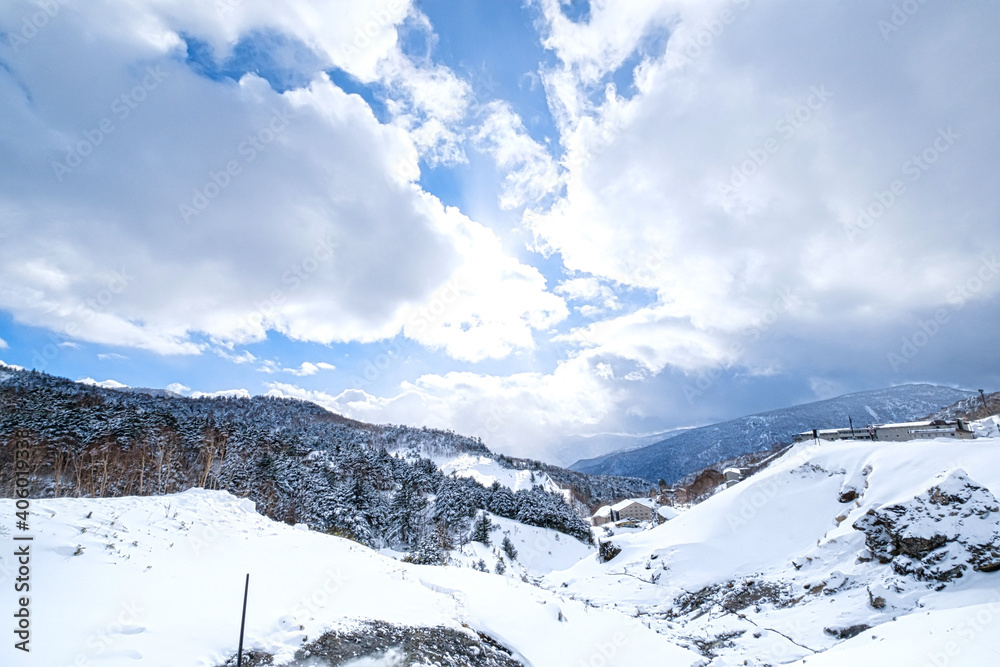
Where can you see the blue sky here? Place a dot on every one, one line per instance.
(523, 221)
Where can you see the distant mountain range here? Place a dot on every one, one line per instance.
(576, 447)
(691, 450)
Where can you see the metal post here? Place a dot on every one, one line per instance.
(983, 396)
(243, 621)
(853, 437)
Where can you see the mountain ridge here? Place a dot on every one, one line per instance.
(694, 449)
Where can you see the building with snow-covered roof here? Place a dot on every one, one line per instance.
(733, 475)
(665, 513)
(634, 509)
(602, 516)
(918, 430)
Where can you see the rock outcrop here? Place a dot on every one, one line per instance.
(938, 534)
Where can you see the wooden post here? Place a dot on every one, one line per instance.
(243, 621)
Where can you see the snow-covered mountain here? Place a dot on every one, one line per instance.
(574, 448)
(697, 448)
(839, 553)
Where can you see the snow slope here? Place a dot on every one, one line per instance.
(159, 581)
(485, 470)
(540, 551)
(773, 569)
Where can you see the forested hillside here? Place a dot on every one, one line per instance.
(298, 462)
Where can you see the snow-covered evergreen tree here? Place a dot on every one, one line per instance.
(481, 529)
(508, 548)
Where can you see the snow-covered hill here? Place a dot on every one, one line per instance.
(487, 470)
(697, 448)
(159, 581)
(894, 544)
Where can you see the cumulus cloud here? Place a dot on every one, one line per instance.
(753, 157)
(530, 172)
(3, 344)
(177, 212)
(309, 368)
(521, 413)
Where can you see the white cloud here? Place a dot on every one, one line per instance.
(3, 344)
(309, 368)
(531, 173)
(178, 388)
(522, 413)
(600, 297)
(645, 203)
(492, 303)
(111, 356)
(6, 365)
(106, 384)
(317, 244)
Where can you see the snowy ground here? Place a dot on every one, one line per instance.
(540, 551)
(774, 570)
(770, 570)
(159, 581)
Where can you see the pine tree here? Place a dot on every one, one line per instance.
(501, 502)
(406, 515)
(481, 529)
(428, 550)
(500, 568)
(508, 548)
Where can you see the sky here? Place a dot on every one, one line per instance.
(520, 221)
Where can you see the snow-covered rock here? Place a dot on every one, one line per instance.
(938, 534)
